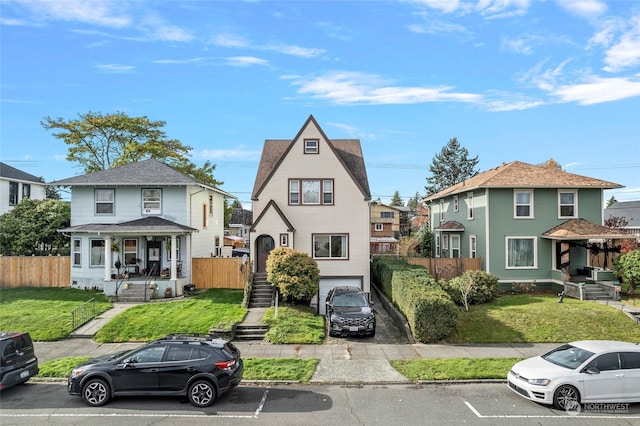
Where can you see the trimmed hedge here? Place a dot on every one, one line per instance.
(431, 313)
(382, 270)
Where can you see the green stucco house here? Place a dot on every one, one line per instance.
(528, 224)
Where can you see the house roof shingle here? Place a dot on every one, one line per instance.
(630, 210)
(582, 229)
(145, 225)
(145, 172)
(348, 152)
(522, 175)
(6, 171)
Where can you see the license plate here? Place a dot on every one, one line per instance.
(24, 374)
(353, 328)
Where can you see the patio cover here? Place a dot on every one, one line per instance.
(582, 229)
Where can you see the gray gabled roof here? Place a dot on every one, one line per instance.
(630, 210)
(140, 173)
(348, 152)
(6, 171)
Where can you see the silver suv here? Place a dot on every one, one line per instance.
(18, 362)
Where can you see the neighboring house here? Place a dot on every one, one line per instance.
(240, 224)
(148, 217)
(15, 185)
(528, 223)
(630, 211)
(385, 228)
(421, 216)
(312, 194)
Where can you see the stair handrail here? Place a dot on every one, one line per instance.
(149, 277)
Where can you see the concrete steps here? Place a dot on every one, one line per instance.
(261, 292)
(134, 293)
(595, 292)
(246, 332)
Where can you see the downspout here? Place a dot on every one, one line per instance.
(487, 252)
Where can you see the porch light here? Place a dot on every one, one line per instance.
(149, 238)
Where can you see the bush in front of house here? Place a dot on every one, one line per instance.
(382, 270)
(429, 310)
(294, 272)
(484, 287)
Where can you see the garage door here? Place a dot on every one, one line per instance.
(327, 284)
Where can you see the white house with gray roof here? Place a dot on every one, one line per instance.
(139, 222)
(15, 185)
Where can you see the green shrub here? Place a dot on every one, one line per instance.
(294, 272)
(485, 287)
(382, 270)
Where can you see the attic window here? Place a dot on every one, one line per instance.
(311, 146)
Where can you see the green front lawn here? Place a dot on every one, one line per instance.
(540, 319)
(454, 368)
(215, 308)
(44, 312)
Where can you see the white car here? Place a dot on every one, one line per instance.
(580, 372)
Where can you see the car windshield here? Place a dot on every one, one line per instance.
(568, 356)
(350, 300)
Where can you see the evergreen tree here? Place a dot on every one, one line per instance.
(452, 165)
(611, 201)
(396, 201)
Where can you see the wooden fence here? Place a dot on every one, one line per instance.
(215, 272)
(35, 271)
(447, 267)
(54, 271)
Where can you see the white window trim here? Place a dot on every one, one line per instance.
(441, 210)
(379, 227)
(575, 203)
(311, 146)
(78, 252)
(473, 246)
(296, 187)
(470, 206)
(437, 245)
(515, 204)
(455, 203)
(97, 265)
(146, 199)
(455, 244)
(521, 237)
(96, 202)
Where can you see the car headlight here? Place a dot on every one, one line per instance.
(539, 382)
(77, 372)
(335, 318)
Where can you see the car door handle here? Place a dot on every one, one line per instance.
(191, 369)
(154, 370)
(619, 375)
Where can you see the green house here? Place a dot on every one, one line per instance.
(528, 224)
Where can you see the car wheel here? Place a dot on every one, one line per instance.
(566, 397)
(96, 392)
(202, 393)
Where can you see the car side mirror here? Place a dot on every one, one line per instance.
(592, 370)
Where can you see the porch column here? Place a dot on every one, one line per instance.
(565, 261)
(174, 261)
(107, 257)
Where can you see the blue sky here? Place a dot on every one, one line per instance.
(513, 80)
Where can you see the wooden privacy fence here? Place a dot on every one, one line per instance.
(54, 271)
(35, 271)
(447, 267)
(219, 272)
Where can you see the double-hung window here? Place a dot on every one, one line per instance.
(387, 215)
(330, 246)
(152, 201)
(13, 193)
(97, 253)
(523, 204)
(379, 227)
(473, 251)
(77, 252)
(311, 146)
(455, 245)
(441, 210)
(470, 205)
(105, 200)
(521, 252)
(567, 204)
(455, 203)
(311, 191)
(26, 190)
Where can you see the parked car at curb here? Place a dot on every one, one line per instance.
(18, 362)
(587, 371)
(202, 368)
(349, 312)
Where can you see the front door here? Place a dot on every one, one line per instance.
(264, 245)
(154, 257)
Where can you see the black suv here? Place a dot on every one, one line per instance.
(349, 312)
(18, 361)
(200, 367)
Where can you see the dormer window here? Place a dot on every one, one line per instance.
(311, 146)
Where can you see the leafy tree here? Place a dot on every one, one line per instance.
(616, 222)
(236, 204)
(627, 267)
(396, 200)
(412, 204)
(611, 201)
(425, 240)
(452, 165)
(31, 228)
(294, 272)
(101, 141)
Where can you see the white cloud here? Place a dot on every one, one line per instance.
(115, 68)
(502, 8)
(245, 61)
(239, 152)
(626, 52)
(343, 87)
(229, 40)
(595, 90)
(178, 61)
(236, 41)
(98, 12)
(585, 8)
